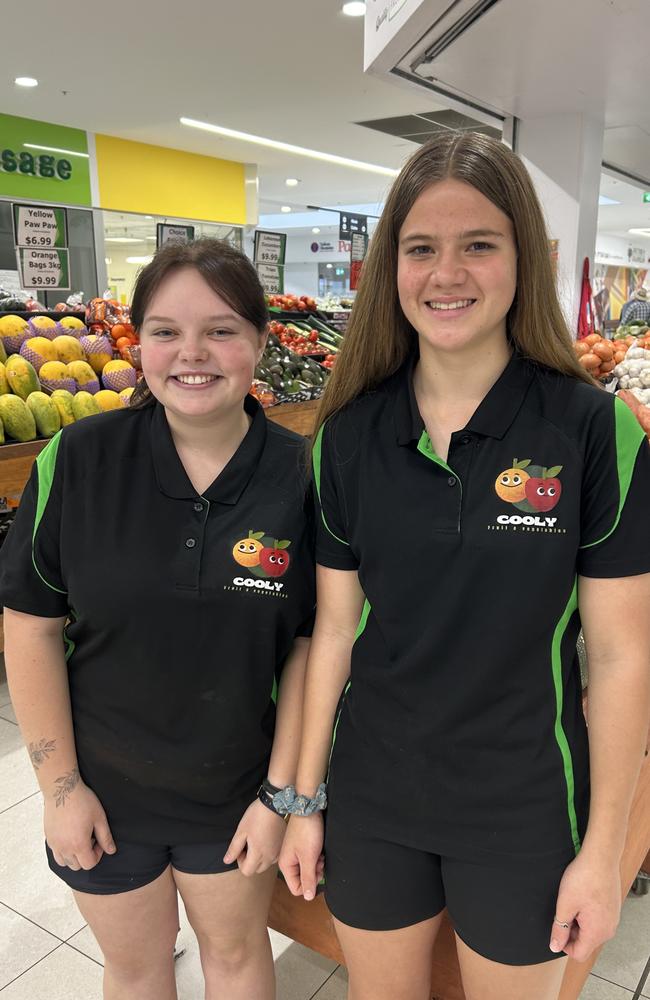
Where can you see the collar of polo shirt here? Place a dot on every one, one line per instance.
(230, 484)
(493, 417)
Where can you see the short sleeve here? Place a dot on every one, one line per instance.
(615, 529)
(332, 547)
(30, 558)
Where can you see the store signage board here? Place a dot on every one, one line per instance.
(357, 257)
(173, 234)
(43, 268)
(40, 226)
(270, 248)
(271, 278)
(390, 25)
(43, 162)
(350, 224)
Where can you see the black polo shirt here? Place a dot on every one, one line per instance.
(461, 730)
(182, 611)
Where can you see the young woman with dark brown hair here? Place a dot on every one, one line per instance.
(170, 546)
(480, 498)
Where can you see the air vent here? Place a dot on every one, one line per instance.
(422, 127)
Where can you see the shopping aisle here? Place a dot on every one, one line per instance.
(48, 953)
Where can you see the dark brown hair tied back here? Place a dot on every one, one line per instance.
(223, 267)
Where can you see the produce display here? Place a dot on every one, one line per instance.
(291, 303)
(600, 356)
(296, 362)
(625, 359)
(56, 371)
(53, 373)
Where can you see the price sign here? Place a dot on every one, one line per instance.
(43, 268)
(173, 234)
(40, 226)
(358, 250)
(271, 277)
(270, 248)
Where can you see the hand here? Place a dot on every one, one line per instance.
(301, 857)
(76, 828)
(589, 900)
(257, 840)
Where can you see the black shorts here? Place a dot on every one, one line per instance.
(501, 909)
(135, 865)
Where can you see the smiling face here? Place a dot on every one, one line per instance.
(456, 269)
(198, 355)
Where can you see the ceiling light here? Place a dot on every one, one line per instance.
(108, 260)
(640, 232)
(292, 182)
(139, 260)
(286, 208)
(286, 147)
(329, 265)
(26, 81)
(315, 229)
(55, 149)
(604, 200)
(354, 9)
(121, 239)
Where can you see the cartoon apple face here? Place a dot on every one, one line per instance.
(274, 561)
(543, 494)
(247, 551)
(510, 484)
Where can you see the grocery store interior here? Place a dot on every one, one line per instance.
(280, 128)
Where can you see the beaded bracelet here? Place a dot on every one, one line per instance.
(285, 801)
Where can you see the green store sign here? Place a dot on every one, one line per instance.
(43, 162)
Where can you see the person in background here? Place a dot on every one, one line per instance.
(636, 307)
(480, 497)
(158, 591)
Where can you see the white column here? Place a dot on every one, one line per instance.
(564, 154)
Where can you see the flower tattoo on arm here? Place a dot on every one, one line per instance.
(65, 786)
(40, 752)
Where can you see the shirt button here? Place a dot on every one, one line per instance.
(452, 481)
(198, 507)
(466, 439)
(190, 542)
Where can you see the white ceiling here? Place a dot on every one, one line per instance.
(287, 69)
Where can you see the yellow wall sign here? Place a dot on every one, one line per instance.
(136, 177)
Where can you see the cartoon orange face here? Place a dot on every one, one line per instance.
(510, 484)
(247, 552)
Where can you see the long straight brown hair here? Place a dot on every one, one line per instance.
(379, 338)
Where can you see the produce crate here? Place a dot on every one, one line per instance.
(50, 313)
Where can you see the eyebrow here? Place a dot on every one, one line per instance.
(468, 234)
(221, 318)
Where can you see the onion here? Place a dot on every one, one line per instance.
(604, 351)
(590, 361)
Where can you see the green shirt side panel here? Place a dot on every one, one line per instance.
(45, 466)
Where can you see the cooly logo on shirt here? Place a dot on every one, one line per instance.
(532, 489)
(265, 557)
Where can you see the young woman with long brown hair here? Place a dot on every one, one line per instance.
(480, 499)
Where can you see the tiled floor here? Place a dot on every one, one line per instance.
(48, 953)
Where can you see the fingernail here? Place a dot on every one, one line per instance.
(555, 946)
(112, 848)
(309, 895)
